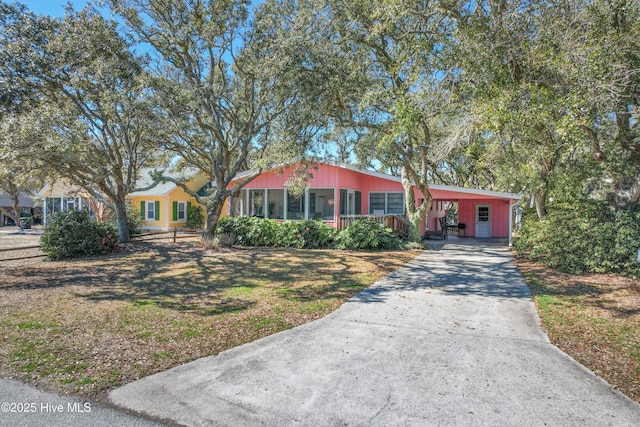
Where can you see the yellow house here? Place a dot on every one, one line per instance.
(164, 206)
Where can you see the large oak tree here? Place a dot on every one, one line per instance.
(93, 124)
(235, 87)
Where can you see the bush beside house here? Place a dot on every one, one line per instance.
(73, 234)
(583, 236)
(362, 234)
(133, 219)
(195, 217)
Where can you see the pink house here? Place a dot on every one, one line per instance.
(338, 190)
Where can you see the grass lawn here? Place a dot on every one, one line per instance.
(85, 326)
(594, 318)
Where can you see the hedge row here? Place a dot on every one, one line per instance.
(583, 236)
(362, 234)
(73, 234)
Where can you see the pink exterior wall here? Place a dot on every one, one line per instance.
(437, 211)
(499, 216)
(337, 177)
(330, 176)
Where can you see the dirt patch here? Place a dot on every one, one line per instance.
(594, 318)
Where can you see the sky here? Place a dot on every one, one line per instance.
(56, 7)
(51, 7)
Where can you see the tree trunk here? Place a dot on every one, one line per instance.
(121, 220)
(214, 211)
(626, 195)
(416, 219)
(540, 199)
(416, 214)
(11, 215)
(15, 204)
(540, 195)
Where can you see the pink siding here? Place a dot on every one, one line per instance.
(499, 216)
(330, 176)
(337, 177)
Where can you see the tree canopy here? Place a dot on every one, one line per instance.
(92, 122)
(233, 87)
(532, 96)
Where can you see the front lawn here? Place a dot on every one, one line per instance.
(85, 326)
(594, 318)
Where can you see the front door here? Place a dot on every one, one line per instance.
(483, 221)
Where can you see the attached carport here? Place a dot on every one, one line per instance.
(486, 214)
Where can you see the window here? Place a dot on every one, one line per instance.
(395, 203)
(70, 204)
(54, 204)
(256, 203)
(377, 203)
(276, 204)
(389, 203)
(321, 204)
(179, 211)
(295, 207)
(151, 211)
(350, 202)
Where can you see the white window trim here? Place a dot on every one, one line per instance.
(386, 201)
(184, 204)
(246, 198)
(146, 211)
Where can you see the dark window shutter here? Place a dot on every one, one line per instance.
(157, 211)
(358, 201)
(143, 208)
(175, 211)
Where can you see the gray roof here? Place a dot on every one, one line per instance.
(25, 201)
(162, 188)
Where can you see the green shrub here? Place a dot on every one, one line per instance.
(251, 231)
(582, 236)
(73, 234)
(309, 234)
(365, 234)
(624, 255)
(195, 218)
(133, 219)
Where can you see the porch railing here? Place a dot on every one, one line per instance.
(398, 223)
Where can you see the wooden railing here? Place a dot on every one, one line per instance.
(397, 223)
(401, 225)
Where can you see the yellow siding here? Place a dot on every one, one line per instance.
(166, 221)
(161, 223)
(179, 195)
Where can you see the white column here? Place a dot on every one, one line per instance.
(168, 217)
(306, 203)
(510, 221)
(286, 204)
(265, 207)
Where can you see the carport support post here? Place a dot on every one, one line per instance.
(510, 221)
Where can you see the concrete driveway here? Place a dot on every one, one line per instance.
(451, 339)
